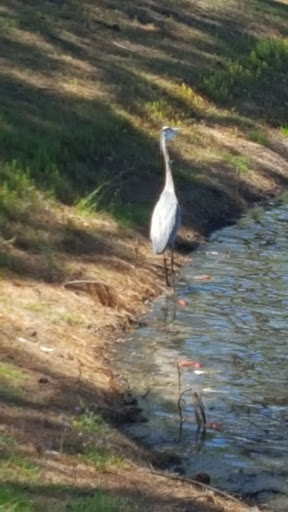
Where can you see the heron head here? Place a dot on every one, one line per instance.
(169, 133)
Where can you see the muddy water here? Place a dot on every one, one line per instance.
(233, 319)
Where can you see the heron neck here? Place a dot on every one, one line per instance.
(169, 184)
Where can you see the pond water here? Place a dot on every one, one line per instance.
(233, 319)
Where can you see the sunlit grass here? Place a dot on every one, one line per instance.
(91, 427)
(240, 162)
(284, 131)
(67, 317)
(258, 136)
(101, 457)
(90, 423)
(10, 372)
(16, 467)
(242, 77)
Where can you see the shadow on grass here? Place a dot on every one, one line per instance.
(71, 499)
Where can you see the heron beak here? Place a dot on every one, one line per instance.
(176, 129)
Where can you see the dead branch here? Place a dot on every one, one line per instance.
(200, 405)
(199, 484)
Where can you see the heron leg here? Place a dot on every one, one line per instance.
(166, 270)
(172, 268)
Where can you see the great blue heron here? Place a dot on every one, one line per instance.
(166, 215)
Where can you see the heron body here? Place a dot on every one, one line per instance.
(166, 217)
(165, 222)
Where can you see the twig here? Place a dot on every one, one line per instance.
(198, 417)
(179, 377)
(206, 495)
(180, 399)
(199, 403)
(195, 482)
(123, 47)
(180, 409)
(7, 242)
(200, 438)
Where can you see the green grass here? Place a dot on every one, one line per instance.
(244, 77)
(18, 195)
(58, 158)
(43, 157)
(8, 22)
(8, 372)
(91, 427)
(13, 499)
(12, 380)
(258, 136)
(191, 176)
(7, 443)
(128, 214)
(101, 457)
(239, 162)
(89, 422)
(284, 131)
(162, 111)
(101, 502)
(131, 215)
(16, 467)
(69, 318)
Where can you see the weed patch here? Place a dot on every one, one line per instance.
(13, 500)
(131, 215)
(11, 381)
(102, 503)
(243, 78)
(258, 136)
(89, 422)
(239, 162)
(18, 195)
(18, 468)
(101, 457)
(9, 372)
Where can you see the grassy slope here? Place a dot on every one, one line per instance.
(85, 87)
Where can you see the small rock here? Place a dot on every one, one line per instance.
(128, 398)
(43, 380)
(204, 478)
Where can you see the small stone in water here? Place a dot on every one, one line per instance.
(189, 364)
(215, 425)
(205, 277)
